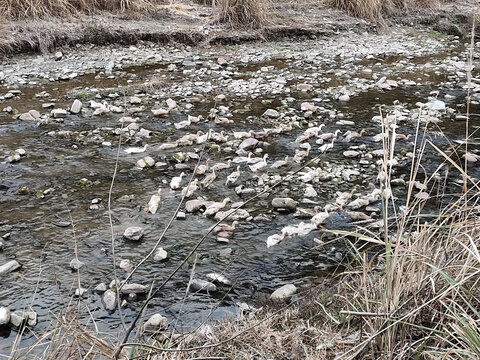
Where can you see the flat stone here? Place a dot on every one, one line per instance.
(134, 289)
(18, 318)
(155, 323)
(160, 254)
(219, 278)
(58, 113)
(240, 214)
(80, 291)
(26, 117)
(194, 205)
(304, 87)
(101, 288)
(202, 285)
(109, 300)
(351, 153)
(76, 107)
(9, 267)
(306, 106)
(271, 113)
(135, 100)
(76, 264)
(248, 144)
(133, 233)
(145, 162)
(4, 316)
(284, 292)
(286, 203)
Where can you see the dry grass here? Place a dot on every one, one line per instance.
(374, 9)
(242, 13)
(15, 9)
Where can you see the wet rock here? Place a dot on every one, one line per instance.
(4, 316)
(76, 107)
(76, 264)
(248, 144)
(202, 285)
(101, 288)
(19, 318)
(436, 105)
(109, 300)
(133, 233)
(134, 100)
(285, 203)
(160, 254)
(308, 107)
(134, 289)
(126, 265)
(351, 153)
(271, 113)
(58, 56)
(155, 323)
(344, 97)
(222, 62)
(219, 278)
(304, 87)
(284, 292)
(80, 291)
(181, 215)
(58, 113)
(194, 205)
(240, 214)
(146, 162)
(9, 267)
(27, 117)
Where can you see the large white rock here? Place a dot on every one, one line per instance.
(9, 267)
(160, 254)
(284, 292)
(155, 323)
(133, 233)
(4, 316)
(109, 300)
(76, 107)
(202, 285)
(134, 288)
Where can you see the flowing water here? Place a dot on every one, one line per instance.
(31, 214)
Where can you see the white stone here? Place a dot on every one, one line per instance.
(76, 264)
(160, 254)
(284, 292)
(109, 300)
(4, 316)
(271, 113)
(202, 285)
(76, 107)
(58, 113)
(9, 267)
(155, 323)
(133, 233)
(147, 161)
(134, 289)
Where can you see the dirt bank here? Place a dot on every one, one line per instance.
(194, 24)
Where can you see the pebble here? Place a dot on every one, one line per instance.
(181, 215)
(58, 113)
(4, 316)
(10, 266)
(101, 288)
(271, 113)
(202, 285)
(215, 277)
(76, 264)
(18, 318)
(160, 254)
(134, 289)
(284, 203)
(133, 233)
(76, 107)
(155, 323)
(145, 162)
(285, 292)
(109, 300)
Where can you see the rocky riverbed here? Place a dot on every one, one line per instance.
(243, 118)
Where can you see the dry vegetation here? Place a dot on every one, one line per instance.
(15, 9)
(374, 9)
(242, 13)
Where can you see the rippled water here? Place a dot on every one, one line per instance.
(46, 282)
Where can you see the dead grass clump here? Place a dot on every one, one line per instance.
(242, 13)
(27, 9)
(375, 9)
